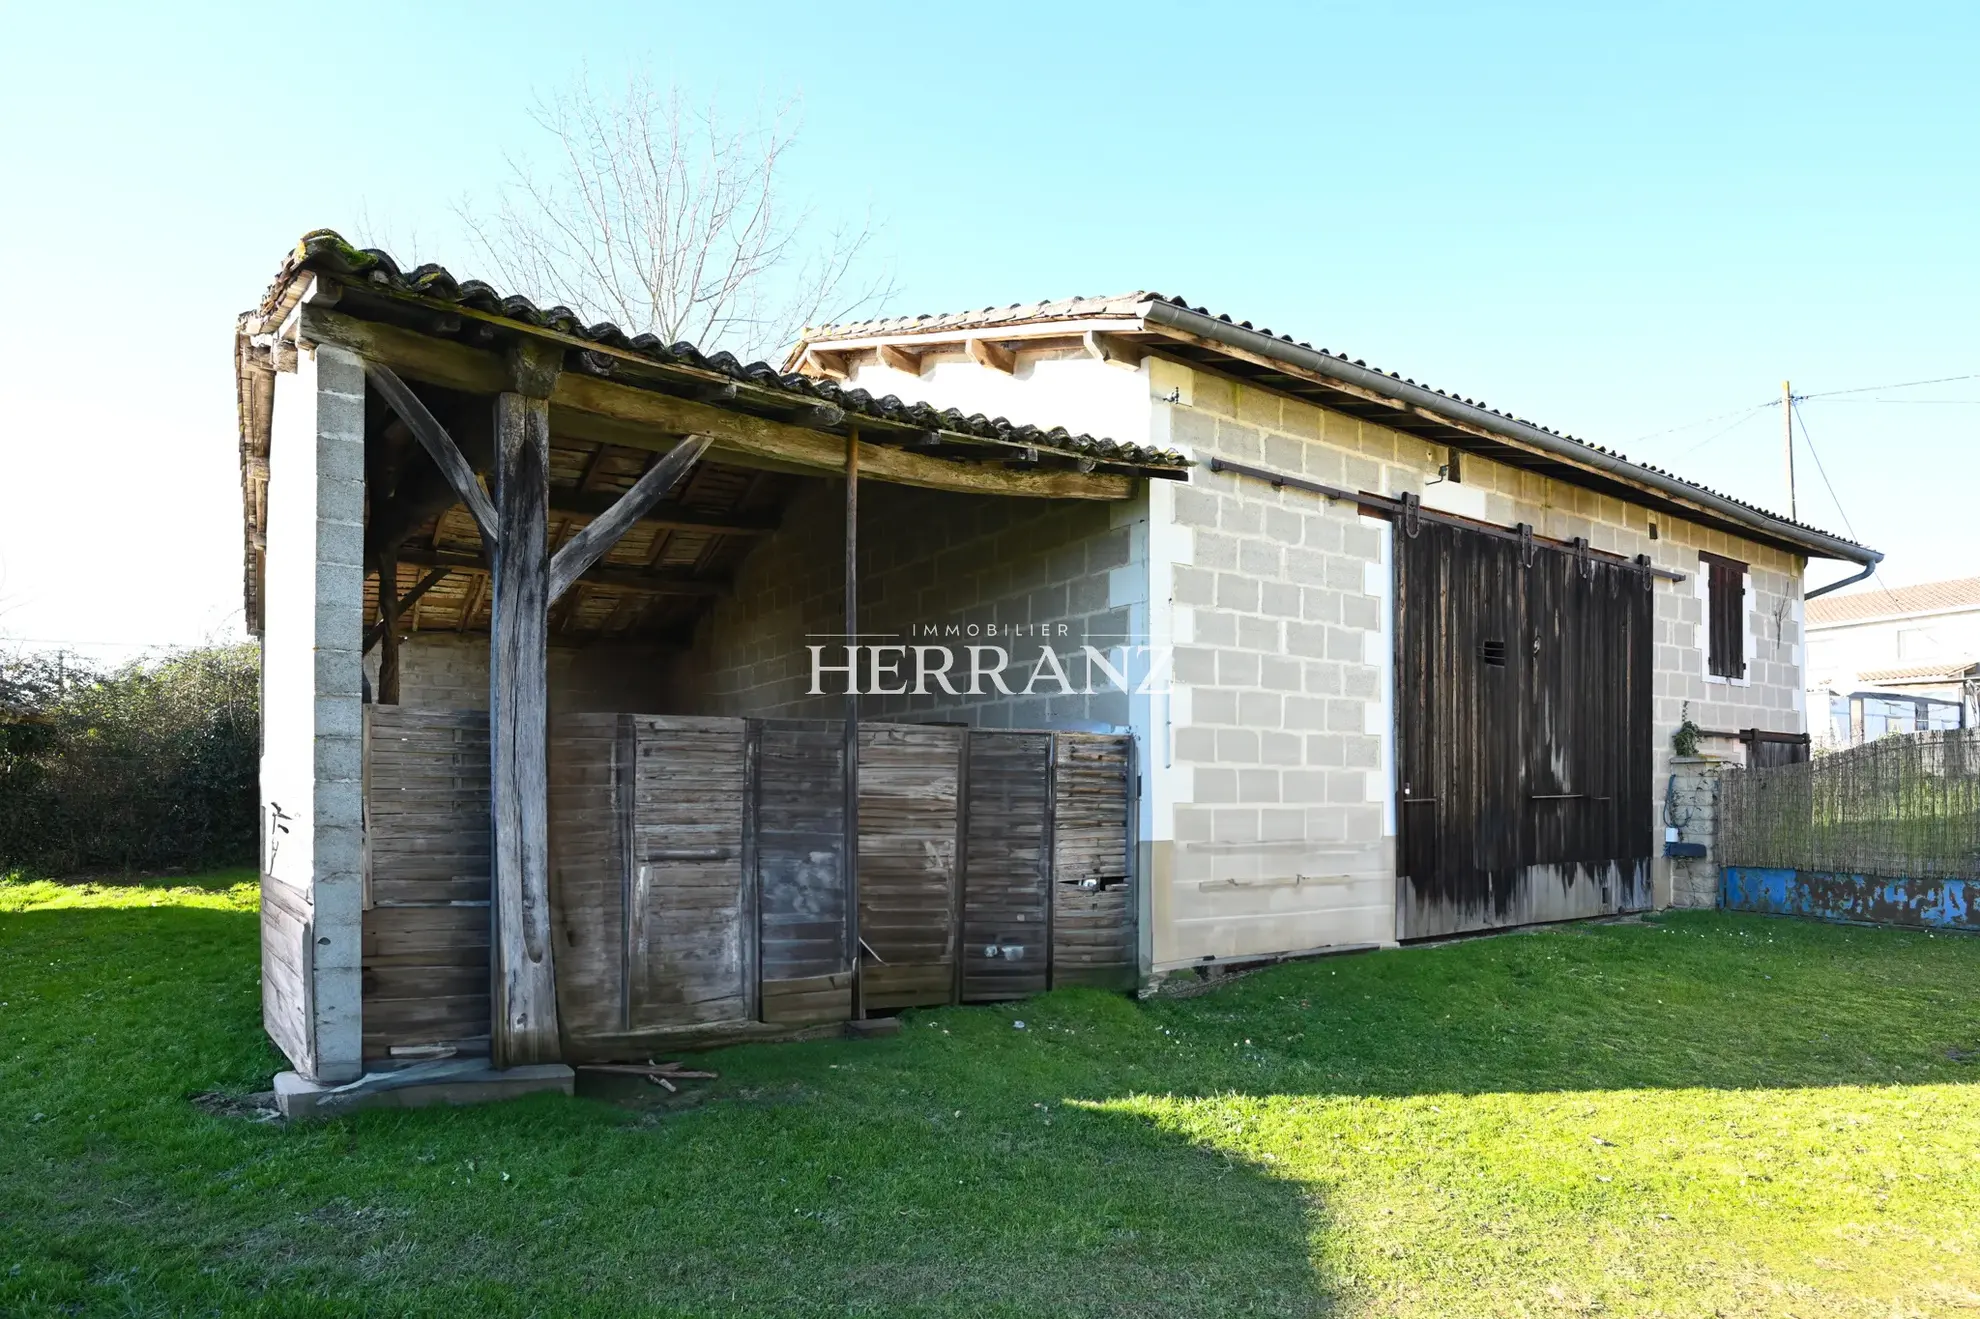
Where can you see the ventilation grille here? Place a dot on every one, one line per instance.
(1493, 653)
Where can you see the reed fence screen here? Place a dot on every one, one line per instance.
(1906, 806)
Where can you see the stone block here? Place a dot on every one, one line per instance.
(454, 1081)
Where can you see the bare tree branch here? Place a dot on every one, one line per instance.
(671, 223)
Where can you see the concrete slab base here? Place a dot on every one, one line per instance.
(444, 1081)
(873, 1027)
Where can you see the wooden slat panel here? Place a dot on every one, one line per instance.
(799, 841)
(1092, 930)
(590, 801)
(286, 941)
(908, 804)
(425, 945)
(1004, 901)
(807, 999)
(685, 950)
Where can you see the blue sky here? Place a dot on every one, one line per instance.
(1614, 221)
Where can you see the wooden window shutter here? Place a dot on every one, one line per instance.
(1725, 617)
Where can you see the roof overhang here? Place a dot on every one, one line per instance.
(1169, 329)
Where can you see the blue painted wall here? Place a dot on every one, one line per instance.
(1866, 899)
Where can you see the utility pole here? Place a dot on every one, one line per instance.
(1787, 441)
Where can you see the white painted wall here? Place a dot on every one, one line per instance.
(1840, 652)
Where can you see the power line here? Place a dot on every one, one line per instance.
(1744, 417)
(1703, 421)
(1902, 384)
(1809, 441)
(1908, 402)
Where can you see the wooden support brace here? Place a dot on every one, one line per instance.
(604, 531)
(438, 444)
(376, 632)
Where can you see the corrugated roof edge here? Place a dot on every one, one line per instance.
(1161, 310)
(326, 251)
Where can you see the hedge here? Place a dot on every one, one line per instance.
(147, 767)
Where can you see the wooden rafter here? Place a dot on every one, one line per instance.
(990, 353)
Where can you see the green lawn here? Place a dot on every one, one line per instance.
(1699, 1115)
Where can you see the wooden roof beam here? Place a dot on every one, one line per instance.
(990, 353)
(618, 579)
(1112, 349)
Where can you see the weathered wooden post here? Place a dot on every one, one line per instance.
(388, 619)
(851, 844)
(523, 990)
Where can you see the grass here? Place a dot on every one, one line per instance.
(1701, 1114)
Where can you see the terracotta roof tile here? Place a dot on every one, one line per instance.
(1126, 305)
(1894, 601)
(324, 250)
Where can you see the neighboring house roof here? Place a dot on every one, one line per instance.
(1152, 321)
(1895, 602)
(1940, 671)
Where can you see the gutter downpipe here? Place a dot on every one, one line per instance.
(1868, 568)
(1169, 315)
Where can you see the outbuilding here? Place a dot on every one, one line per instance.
(1170, 642)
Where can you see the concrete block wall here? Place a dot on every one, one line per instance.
(311, 763)
(1277, 836)
(449, 671)
(1279, 794)
(936, 569)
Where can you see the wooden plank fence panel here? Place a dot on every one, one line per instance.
(685, 934)
(287, 939)
(908, 804)
(1005, 901)
(424, 959)
(800, 838)
(590, 791)
(1092, 930)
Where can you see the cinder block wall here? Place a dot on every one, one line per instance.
(1280, 833)
(1276, 779)
(448, 671)
(311, 770)
(936, 568)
